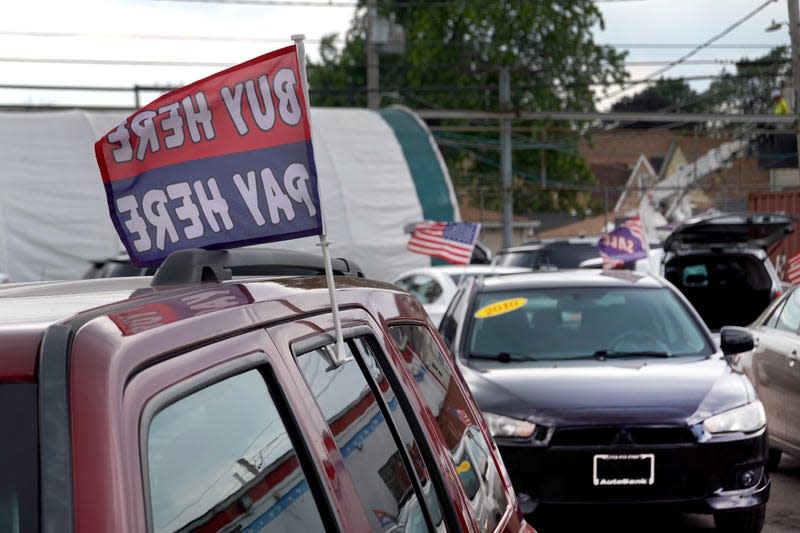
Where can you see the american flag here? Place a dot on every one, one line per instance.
(451, 241)
(793, 268)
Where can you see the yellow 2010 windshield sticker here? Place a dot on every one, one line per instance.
(462, 467)
(501, 307)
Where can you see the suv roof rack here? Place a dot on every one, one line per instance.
(196, 265)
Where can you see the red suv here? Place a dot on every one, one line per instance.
(188, 402)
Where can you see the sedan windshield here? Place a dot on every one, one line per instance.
(576, 323)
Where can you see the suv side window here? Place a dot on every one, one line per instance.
(448, 327)
(789, 319)
(457, 427)
(221, 458)
(19, 459)
(384, 479)
(772, 321)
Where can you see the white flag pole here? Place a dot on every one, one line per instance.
(323, 239)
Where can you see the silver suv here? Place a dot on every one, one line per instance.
(721, 264)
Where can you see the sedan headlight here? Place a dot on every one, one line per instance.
(747, 418)
(504, 426)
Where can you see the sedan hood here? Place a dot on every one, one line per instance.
(644, 391)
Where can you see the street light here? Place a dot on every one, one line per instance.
(775, 26)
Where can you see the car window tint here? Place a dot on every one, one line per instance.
(456, 425)
(221, 459)
(772, 320)
(527, 258)
(569, 255)
(568, 323)
(789, 319)
(19, 461)
(368, 350)
(695, 275)
(364, 438)
(424, 288)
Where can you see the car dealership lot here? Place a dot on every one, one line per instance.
(604, 388)
(188, 401)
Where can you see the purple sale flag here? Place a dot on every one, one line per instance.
(624, 244)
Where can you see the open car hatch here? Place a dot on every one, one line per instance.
(755, 230)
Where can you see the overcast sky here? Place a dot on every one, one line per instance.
(174, 42)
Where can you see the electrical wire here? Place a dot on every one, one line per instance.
(686, 56)
(157, 37)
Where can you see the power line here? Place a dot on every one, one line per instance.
(176, 63)
(285, 3)
(235, 39)
(677, 45)
(159, 37)
(696, 49)
(118, 62)
(692, 62)
(335, 3)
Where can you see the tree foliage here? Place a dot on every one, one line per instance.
(745, 91)
(454, 53)
(666, 95)
(748, 89)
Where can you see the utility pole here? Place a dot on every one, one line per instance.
(373, 67)
(794, 35)
(505, 156)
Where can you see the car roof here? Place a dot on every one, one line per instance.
(27, 310)
(573, 278)
(464, 269)
(50, 301)
(545, 243)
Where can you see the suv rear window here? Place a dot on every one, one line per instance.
(221, 459)
(556, 255)
(724, 288)
(19, 485)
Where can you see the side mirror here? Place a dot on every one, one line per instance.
(734, 339)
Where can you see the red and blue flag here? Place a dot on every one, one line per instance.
(624, 244)
(226, 161)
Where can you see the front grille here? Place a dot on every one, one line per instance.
(621, 436)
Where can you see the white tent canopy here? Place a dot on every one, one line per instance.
(54, 215)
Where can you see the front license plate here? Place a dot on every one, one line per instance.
(628, 469)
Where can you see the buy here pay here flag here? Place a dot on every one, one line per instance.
(226, 161)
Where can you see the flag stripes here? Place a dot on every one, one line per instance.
(793, 268)
(451, 241)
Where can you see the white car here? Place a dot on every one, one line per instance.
(434, 286)
(3, 278)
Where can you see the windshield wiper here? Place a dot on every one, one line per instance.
(614, 354)
(504, 357)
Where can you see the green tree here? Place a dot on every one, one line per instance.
(666, 94)
(454, 53)
(747, 90)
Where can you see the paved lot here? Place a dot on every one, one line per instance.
(783, 513)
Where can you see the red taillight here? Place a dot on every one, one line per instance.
(777, 294)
